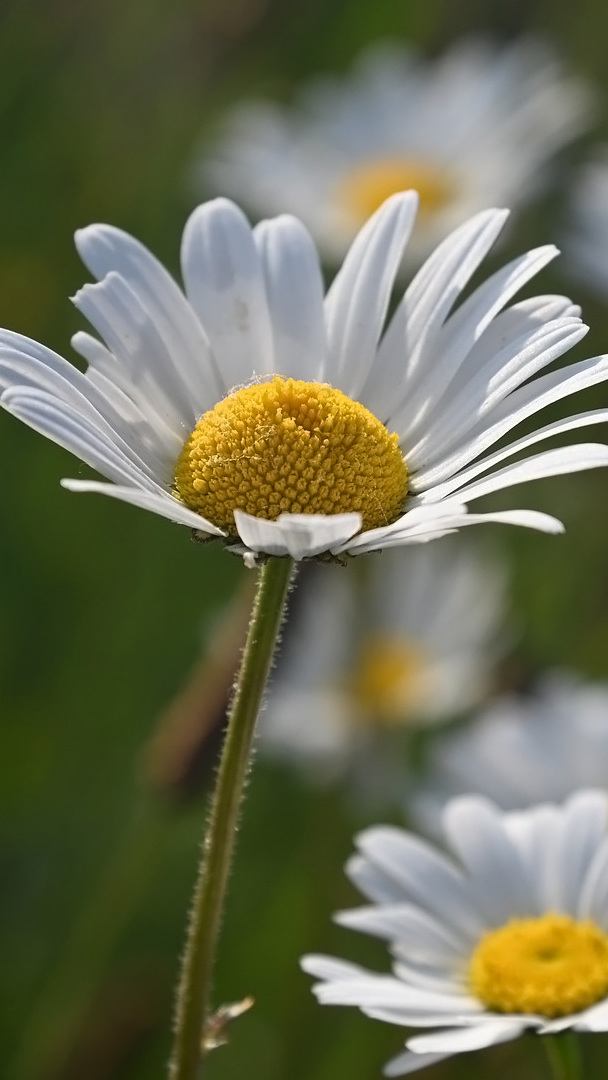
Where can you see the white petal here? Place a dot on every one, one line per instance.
(424, 875)
(26, 367)
(358, 299)
(529, 399)
(424, 307)
(294, 287)
(158, 502)
(299, 535)
(104, 249)
(500, 879)
(403, 532)
(475, 407)
(565, 459)
(595, 1019)
(409, 1062)
(459, 334)
(328, 967)
(144, 360)
(593, 900)
(373, 881)
(415, 526)
(367, 992)
(431, 477)
(582, 828)
(225, 285)
(147, 409)
(61, 423)
(419, 936)
(486, 1033)
(527, 519)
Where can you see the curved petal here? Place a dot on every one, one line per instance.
(294, 286)
(423, 875)
(475, 1037)
(158, 502)
(358, 299)
(565, 459)
(425, 305)
(63, 425)
(499, 876)
(225, 286)
(460, 333)
(419, 937)
(426, 478)
(299, 535)
(408, 1062)
(104, 249)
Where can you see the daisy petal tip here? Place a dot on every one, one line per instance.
(408, 200)
(221, 207)
(91, 234)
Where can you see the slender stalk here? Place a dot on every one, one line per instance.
(194, 989)
(564, 1054)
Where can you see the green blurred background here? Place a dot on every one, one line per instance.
(104, 608)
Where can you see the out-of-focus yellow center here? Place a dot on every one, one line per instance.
(552, 966)
(389, 680)
(288, 446)
(365, 189)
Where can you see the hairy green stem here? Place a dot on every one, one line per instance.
(192, 1011)
(564, 1055)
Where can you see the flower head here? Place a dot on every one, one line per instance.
(521, 750)
(250, 409)
(478, 125)
(403, 640)
(508, 933)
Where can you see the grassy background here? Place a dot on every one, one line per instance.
(103, 608)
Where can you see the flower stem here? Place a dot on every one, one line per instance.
(192, 1010)
(564, 1054)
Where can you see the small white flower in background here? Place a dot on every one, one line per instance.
(409, 638)
(253, 410)
(505, 934)
(586, 241)
(477, 126)
(522, 750)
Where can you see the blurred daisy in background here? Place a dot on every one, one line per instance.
(585, 244)
(507, 933)
(255, 410)
(522, 750)
(478, 126)
(409, 638)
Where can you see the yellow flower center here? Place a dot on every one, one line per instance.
(369, 185)
(294, 447)
(553, 966)
(390, 679)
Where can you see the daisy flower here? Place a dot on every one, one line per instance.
(407, 639)
(586, 242)
(523, 749)
(478, 125)
(506, 933)
(250, 409)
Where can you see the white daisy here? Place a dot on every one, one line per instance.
(586, 242)
(342, 435)
(509, 933)
(478, 125)
(405, 639)
(522, 750)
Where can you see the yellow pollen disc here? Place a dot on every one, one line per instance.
(390, 678)
(367, 187)
(294, 447)
(553, 966)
